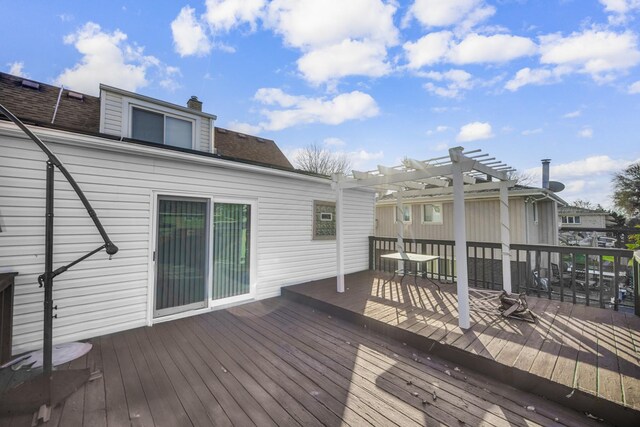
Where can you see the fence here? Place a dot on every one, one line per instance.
(602, 277)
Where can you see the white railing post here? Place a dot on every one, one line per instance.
(339, 235)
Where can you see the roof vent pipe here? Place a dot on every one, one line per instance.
(545, 173)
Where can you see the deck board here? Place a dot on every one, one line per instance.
(572, 346)
(279, 362)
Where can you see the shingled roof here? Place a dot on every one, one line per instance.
(248, 147)
(35, 102)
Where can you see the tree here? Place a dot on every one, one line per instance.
(626, 193)
(521, 178)
(324, 162)
(586, 204)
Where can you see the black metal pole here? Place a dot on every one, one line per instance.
(48, 277)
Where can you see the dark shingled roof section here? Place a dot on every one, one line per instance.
(233, 144)
(37, 105)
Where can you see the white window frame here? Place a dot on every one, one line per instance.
(211, 304)
(405, 208)
(127, 123)
(570, 219)
(316, 220)
(423, 210)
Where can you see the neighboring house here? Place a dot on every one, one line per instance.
(204, 217)
(533, 216)
(588, 219)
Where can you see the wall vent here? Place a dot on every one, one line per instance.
(30, 84)
(75, 95)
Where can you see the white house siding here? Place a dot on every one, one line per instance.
(111, 111)
(101, 296)
(205, 135)
(482, 219)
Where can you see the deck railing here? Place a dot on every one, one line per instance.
(602, 277)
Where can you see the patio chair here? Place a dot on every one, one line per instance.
(557, 275)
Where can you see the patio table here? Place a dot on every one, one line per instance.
(409, 260)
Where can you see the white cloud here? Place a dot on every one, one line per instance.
(498, 48)
(335, 142)
(528, 132)
(363, 159)
(17, 69)
(442, 146)
(455, 81)
(601, 54)
(586, 132)
(296, 110)
(438, 129)
(634, 87)
(106, 58)
(535, 76)
(619, 9)
(245, 128)
(474, 131)
(438, 13)
(223, 15)
(573, 114)
(350, 57)
(336, 38)
(309, 24)
(189, 35)
(473, 49)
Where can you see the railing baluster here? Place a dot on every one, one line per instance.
(616, 283)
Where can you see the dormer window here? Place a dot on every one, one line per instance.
(161, 128)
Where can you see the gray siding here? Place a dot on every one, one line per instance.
(482, 220)
(100, 296)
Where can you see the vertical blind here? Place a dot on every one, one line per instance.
(231, 237)
(181, 256)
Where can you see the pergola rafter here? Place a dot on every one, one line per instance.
(454, 174)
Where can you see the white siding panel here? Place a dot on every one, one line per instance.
(205, 136)
(111, 114)
(101, 296)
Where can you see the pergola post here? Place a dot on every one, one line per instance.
(460, 236)
(339, 235)
(505, 237)
(399, 227)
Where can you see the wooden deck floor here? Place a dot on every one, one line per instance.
(278, 362)
(593, 351)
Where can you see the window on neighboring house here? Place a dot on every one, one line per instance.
(570, 219)
(432, 213)
(406, 214)
(161, 128)
(324, 220)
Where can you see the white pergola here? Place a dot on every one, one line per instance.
(454, 174)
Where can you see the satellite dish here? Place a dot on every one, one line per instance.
(556, 186)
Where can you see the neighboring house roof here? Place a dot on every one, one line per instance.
(517, 191)
(34, 103)
(233, 144)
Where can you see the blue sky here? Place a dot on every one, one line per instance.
(379, 80)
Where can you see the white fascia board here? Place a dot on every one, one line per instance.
(105, 144)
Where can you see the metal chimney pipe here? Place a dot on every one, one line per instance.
(545, 173)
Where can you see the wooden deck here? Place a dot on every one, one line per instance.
(584, 357)
(278, 362)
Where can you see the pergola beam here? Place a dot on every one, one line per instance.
(375, 180)
(494, 185)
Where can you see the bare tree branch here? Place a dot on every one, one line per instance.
(321, 161)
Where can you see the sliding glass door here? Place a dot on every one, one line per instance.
(231, 250)
(181, 255)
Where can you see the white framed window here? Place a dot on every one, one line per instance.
(432, 213)
(161, 128)
(570, 219)
(406, 214)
